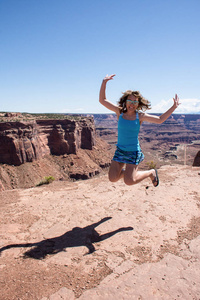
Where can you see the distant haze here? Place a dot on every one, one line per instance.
(187, 106)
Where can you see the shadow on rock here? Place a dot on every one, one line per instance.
(85, 236)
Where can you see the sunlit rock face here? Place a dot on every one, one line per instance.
(22, 142)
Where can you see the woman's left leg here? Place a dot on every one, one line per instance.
(133, 176)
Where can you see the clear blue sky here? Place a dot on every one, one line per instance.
(55, 53)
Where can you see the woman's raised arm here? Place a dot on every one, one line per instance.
(102, 95)
(164, 116)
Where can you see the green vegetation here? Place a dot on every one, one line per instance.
(151, 165)
(52, 116)
(27, 117)
(46, 180)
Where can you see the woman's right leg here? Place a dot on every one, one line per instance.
(115, 172)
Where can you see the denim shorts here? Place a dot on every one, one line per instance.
(128, 157)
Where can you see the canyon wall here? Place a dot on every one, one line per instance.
(171, 131)
(178, 128)
(22, 142)
(77, 152)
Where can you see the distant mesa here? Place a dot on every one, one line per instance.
(12, 115)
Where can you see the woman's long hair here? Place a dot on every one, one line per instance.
(143, 104)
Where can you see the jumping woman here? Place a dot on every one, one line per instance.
(130, 113)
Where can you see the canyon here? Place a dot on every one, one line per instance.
(22, 142)
(71, 147)
(66, 149)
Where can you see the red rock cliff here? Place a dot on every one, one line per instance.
(22, 142)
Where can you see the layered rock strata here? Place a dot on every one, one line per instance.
(22, 142)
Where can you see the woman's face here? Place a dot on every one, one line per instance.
(132, 103)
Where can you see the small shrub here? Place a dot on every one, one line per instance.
(151, 165)
(46, 180)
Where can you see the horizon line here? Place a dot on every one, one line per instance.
(89, 113)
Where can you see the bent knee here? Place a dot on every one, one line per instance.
(129, 181)
(113, 178)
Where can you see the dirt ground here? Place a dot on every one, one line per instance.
(99, 240)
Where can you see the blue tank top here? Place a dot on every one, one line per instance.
(128, 131)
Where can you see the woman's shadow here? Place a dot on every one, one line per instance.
(76, 237)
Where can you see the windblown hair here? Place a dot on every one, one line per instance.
(143, 105)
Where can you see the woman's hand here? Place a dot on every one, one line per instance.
(108, 77)
(176, 101)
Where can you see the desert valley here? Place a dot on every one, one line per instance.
(71, 147)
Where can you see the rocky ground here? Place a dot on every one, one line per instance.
(99, 240)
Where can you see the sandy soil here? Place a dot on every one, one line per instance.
(99, 240)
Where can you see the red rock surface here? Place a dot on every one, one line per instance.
(22, 142)
(66, 149)
(99, 240)
(82, 165)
